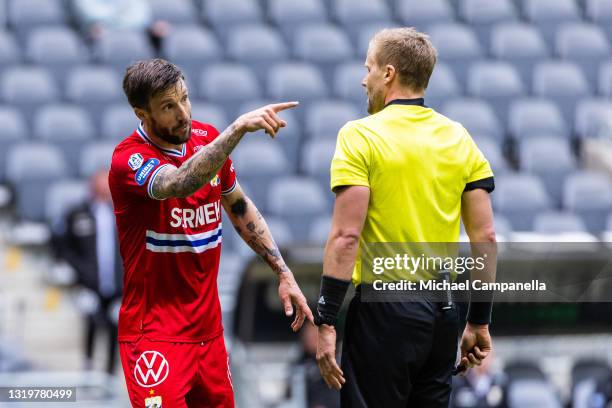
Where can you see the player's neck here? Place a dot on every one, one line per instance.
(159, 141)
(394, 94)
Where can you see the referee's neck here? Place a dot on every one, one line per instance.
(402, 93)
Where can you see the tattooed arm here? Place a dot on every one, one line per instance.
(253, 229)
(204, 165)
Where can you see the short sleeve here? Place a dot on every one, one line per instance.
(351, 162)
(134, 170)
(228, 177)
(480, 174)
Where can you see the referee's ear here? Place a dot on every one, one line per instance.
(390, 73)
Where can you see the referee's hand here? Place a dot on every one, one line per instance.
(326, 357)
(476, 345)
(265, 118)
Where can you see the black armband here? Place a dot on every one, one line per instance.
(330, 299)
(479, 312)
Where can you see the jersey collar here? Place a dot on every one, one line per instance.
(171, 152)
(415, 101)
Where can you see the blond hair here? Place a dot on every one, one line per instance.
(409, 51)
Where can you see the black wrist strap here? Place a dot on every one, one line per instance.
(479, 311)
(331, 297)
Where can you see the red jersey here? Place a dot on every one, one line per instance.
(170, 248)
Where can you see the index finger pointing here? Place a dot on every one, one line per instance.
(277, 107)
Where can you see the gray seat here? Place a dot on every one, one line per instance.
(281, 231)
(256, 45)
(532, 394)
(502, 226)
(23, 15)
(61, 197)
(30, 168)
(493, 153)
(555, 222)
(563, 83)
(228, 84)
(325, 118)
(296, 81)
(67, 127)
(421, 14)
(593, 117)
(549, 158)
(605, 79)
(28, 88)
(354, 13)
(322, 44)
(14, 130)
(442, 87)
(476, 115)
(257, 161)
(289, 15)
(589, 195)
(209, 113)
(457, 46)
(122, 47)
(224, 15)
(56, 48)
(496, 82)
(531, 117)
(521, 45)
(190, 47)
(316, 161)
(347, 82)
(519, 197)
(95, 156)
(118, 121)
(585, 45)
(175, 11)
(298, 200)
(600, 12)
(319, 230)
(10, 52)
(365, 34)
(482, 15)
(548, 15)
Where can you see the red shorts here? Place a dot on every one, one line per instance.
(177, 375)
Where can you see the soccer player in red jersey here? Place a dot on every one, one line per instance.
(169, 180)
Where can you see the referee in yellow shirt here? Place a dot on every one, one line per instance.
(403, 174)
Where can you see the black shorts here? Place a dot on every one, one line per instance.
(398, 354)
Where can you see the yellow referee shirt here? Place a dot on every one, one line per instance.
(417, 164)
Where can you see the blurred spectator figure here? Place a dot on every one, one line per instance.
(96, 17)
(89, 244)
(480, 388)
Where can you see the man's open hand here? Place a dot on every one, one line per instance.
(291, 296)
(326, 357)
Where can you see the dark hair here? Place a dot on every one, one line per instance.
(144, 79)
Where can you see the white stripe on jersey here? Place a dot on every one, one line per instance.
(174, 243)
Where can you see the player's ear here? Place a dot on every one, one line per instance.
(141, 113)
(389, 73)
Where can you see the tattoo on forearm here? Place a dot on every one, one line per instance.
(199, 169)
(239, 207)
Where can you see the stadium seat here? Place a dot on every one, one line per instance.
(296, 81)
(95, 156)
(585, 45)
(496, 82)
(519, 197)
(593, 117)
(319, 230)
(476, 115)
(31, 167)
(516, 370)
(316, 161)
(532, 393)
(281, 231)
(589, 195)
(297, 200)
(503, 228)
(457, 46)
(548, 15)
(66, 127)
(493, 153)
(324, 45)
(24, 15)
(290, 15)
(600, 12)
(120, 48)
(209, 113)
(442, 87)
(605, 79)
(190, 47)
(347, 82)
(28, 88)
(224, 15)
(118, 121)
(61, 197)
(365, 34)
(521, 45)
(325, 118)
(590, 369)
(421, 14)
(175, 11)
(482, 15)
(563, 83)
(257, 161)
(549, 158)
(228, 84)
(531, 117)
(555, 222)
(258, 46)
(14, 130)
(10, 52)
(355, 13)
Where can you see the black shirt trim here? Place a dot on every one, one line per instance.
(415, 101)
(487, 184)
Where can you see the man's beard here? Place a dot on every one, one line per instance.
(172, 135)
(373, 105)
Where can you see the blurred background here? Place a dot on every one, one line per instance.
(530, 79)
